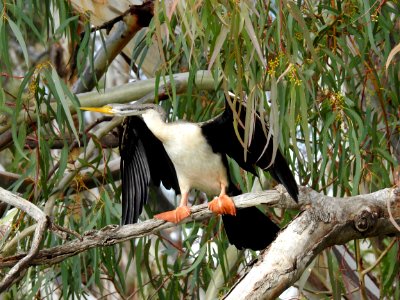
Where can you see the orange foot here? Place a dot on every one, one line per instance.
(174, 216)
(222, 205)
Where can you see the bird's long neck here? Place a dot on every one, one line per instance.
(155, 122)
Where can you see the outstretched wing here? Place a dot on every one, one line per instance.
(220, 133)
(143, 160)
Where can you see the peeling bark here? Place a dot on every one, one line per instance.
(326, 222)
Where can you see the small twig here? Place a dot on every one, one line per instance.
(64, 230)
(108, 141)
(59, 143)
(161, 285)
(108, 25)
(363, 289)
(150, 281)
(364, 272)
(327, 292)
(8, 178)
(285, 72)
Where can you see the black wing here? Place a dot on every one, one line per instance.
(221, 135)
(243, 230)
(143, 160)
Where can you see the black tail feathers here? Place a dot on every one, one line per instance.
(280, 172)
(250, 228)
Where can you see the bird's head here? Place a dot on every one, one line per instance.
(125, 110)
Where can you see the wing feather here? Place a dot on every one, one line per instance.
(221, 135)
(243, 230)
(143, 161)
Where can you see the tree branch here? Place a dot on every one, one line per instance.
(22, 204)
(325, 222)
(24, 262)
(136, 90)
(33, 211)
(89, 178)
(134, 19)
(203, 80)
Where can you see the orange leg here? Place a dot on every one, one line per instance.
(178, 214)
(222, 205)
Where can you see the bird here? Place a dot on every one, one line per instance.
(184, 156)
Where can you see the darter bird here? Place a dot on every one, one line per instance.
(183, 156)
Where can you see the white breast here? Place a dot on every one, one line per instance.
(197, 166)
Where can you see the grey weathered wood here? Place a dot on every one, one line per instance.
(323, 222)
(326, 222)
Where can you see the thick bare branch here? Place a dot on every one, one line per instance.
(203, 80)
(22, 204)
(136, 90)
(326, 221)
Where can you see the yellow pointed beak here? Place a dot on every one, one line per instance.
(104, 110)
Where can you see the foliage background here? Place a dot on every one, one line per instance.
(316, 69)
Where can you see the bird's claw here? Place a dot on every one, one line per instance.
(174, 216)
(222, 205)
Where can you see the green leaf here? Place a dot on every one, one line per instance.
(356, 148)
(30, 22)
(60, 30)
(392, 53)
(63, 101)
(250, 31)
(199, 258)
(294, 10)
(274, 118)
(20, 39)
(333, 275)
(19, 135)
(369, 24)
(305, 126)
(4, 49)
(218, 45)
